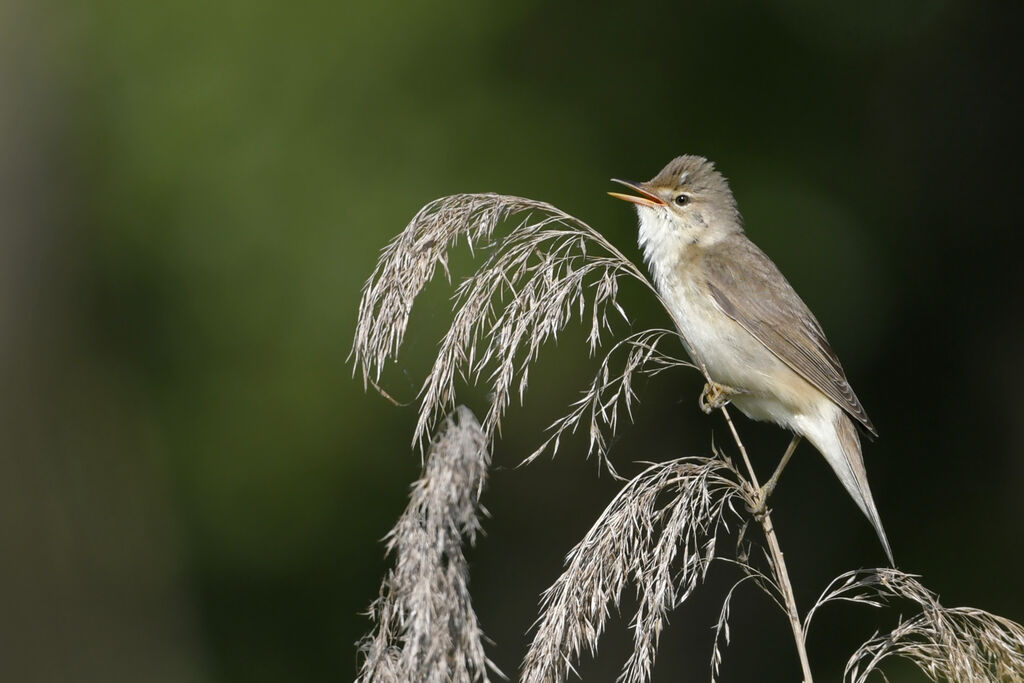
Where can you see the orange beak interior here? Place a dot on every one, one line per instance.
(645, 198)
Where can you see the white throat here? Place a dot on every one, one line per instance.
(662, 240)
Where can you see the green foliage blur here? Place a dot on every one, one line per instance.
(194, 486)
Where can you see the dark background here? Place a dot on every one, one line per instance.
(194, 487)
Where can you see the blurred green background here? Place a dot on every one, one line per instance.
(194, 488)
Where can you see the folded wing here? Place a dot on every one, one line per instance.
(775, 315)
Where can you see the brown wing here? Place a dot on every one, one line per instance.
(759, 298)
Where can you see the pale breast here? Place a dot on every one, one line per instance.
(731, 355)
(734, 357)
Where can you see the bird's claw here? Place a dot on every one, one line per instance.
(715, 395)
(757, 502)
(759, 511)
(761, 495)
(761, 508)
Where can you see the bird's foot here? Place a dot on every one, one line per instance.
(762, 494)
(715, 395)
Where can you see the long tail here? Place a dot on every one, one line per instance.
(849, 467)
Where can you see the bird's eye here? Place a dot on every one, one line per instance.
(682, 199)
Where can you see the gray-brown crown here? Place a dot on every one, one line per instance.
(692, 173)
(696, 177)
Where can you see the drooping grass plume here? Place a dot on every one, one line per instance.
(658, 534)
(535, 278)
(946, 643)
(425, 626)
(611, 390)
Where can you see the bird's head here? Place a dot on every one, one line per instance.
(688, 202)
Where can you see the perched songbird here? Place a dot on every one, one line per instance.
(741, 320)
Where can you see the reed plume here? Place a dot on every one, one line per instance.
(541, 269)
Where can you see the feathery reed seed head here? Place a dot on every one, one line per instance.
(547, 270)
(659, 534)
(425, 626)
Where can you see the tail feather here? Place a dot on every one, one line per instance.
(851, 472)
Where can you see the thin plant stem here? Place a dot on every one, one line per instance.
(778, 561)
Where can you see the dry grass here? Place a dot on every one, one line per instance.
(660, 535)
(534, 280)
(946, 643)
(541, 270)
(425, 626)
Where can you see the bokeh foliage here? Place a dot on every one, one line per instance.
(195, 192)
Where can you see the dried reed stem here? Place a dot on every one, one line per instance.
(778, 560)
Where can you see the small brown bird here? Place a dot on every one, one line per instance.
(741, 320)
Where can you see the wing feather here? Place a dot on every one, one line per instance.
(759, 298)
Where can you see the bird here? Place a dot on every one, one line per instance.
(744, 324)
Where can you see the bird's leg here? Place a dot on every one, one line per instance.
(769, 485)
(715, 395)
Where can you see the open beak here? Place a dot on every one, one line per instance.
(646, 198)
